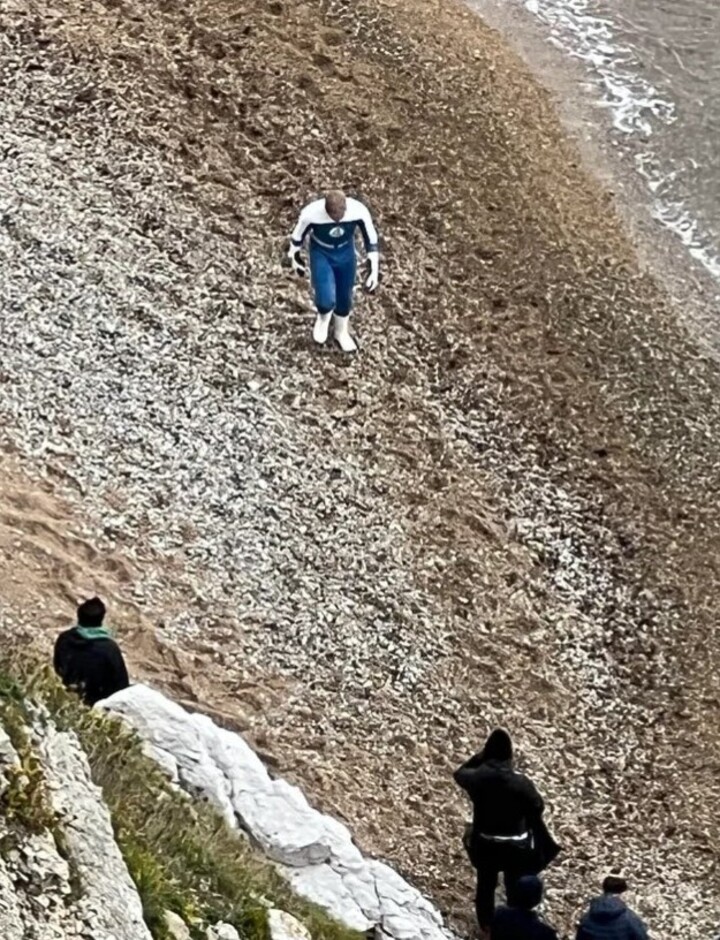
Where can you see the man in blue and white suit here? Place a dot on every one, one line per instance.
(329, 225)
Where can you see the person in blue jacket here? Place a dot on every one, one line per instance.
(609, 918)
(518, 920)
(330, 225)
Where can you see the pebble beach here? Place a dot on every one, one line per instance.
(503, 510)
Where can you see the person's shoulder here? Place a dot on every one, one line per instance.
(357, 209)
(544, 931)
(478, 774)
(65, 634)
(503, 921)
(484, 772)
(314, 210)
(636, 921)
(523, 780)
(105, 646)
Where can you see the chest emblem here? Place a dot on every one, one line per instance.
(337, 232)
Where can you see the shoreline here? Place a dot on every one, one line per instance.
(503, 511)
(659, 250)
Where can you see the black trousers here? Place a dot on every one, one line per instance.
(490, 860)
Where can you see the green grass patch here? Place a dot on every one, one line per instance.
(24, 802)
(180, 853)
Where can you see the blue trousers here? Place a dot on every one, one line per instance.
(333, 279)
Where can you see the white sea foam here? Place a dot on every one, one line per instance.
(638, 109)
(575, 25)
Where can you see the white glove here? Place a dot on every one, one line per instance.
(297, 261)
(373, 277)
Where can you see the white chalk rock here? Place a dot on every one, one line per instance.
(177, 928)
(328, 888)
(314, 852)
(109, 904)
(8, 754)
(178, 746)
(222, 932)
(8, 759)
(11, 921)
(284, 926)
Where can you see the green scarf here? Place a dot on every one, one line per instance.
(94, 633)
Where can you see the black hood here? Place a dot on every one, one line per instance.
(527, 892)
(498, 747)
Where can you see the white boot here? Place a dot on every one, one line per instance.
(322, 325)
(342, 334)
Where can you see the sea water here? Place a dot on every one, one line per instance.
(654, 67)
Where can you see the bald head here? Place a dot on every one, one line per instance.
(335, 204)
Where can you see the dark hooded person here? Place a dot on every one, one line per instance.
(609, 918)
(519, 920)
(87, 659)
(507, 834)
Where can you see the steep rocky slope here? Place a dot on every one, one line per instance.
(54, 830)
(97, 842)
(502, 510)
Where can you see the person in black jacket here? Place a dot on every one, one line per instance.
(87, 659)
(518, 920)
(608, 917)
(507, 833)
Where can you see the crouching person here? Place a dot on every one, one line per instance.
(518, 920)
(87, 659)
(508, 834)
